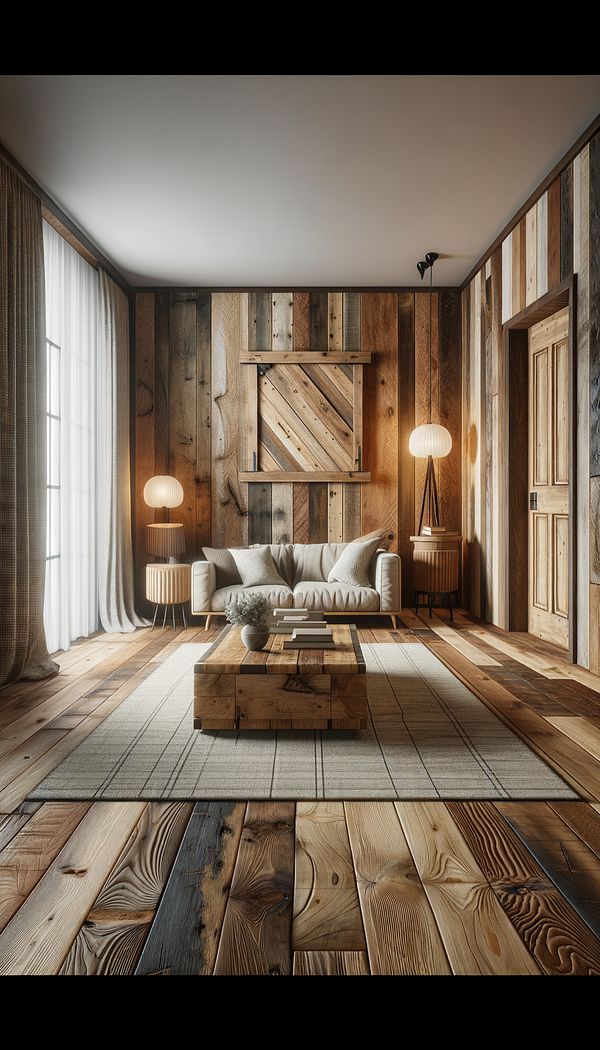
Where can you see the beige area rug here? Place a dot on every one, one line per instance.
(429, 737)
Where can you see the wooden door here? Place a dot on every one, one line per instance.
(549, 437)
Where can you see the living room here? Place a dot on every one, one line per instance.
(300, 478)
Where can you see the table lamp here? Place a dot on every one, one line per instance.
(164, 539)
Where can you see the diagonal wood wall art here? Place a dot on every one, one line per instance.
(286, 415)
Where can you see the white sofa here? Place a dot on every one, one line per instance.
(304, 568)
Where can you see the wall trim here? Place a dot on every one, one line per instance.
(558, 168)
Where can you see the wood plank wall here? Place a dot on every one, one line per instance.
(560, 235)
(188, 390)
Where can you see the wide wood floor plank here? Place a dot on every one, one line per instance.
(256, 935)
(38, 938)
(326, 910)
(558, 939)
(10, 824)
(478, 937)
(184, 936)
(401, 932)
(331, 964)
(114, 931)
(579, 730)
(562, 854)
(584, 821)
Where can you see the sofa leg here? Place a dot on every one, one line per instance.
(394, 619)
(207, 622)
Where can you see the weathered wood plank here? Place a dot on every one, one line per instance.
(406, 423)
(478, 936)
(283, 306)
(402, 936)
(162, 411)
(111, 937)
(229, 509)
(39, 936)
(335, 513)
(197, 886)
(356, 477)
(333, 384)
(594, 329)
(554, 934)
(351, 323)
(531, 255)
(203, 422)
(259, 513)
(318, 320)
(449, 469)
(182, 409)
(581, 266)
(542, 245)
(331, 964)
(379, 333)
(259, 321)
(566, 222)
(256, 934)
(301, 310)
(583, 820)
(326, 909)
(144, 431)
(518, 269)
(317, 512)
(351, 513)
(554, 232)
(300, 492)
(282, 513)
(346, 359)
(335, 313)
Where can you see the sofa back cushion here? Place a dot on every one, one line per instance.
(314, 561)
(226, 571)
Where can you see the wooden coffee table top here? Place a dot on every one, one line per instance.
(228, 655)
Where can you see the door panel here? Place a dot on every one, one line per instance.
(549, 479)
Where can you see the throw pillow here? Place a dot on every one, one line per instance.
(226, 572)
(352, 566)
(256, 566)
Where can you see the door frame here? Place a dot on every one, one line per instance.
(516, 475)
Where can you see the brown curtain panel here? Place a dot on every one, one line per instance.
(23, 652)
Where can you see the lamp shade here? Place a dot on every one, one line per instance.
(430, 439)
(165, 540)
(163, 491)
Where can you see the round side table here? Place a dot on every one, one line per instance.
(168, 584)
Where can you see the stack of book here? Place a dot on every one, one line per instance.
(306, 630)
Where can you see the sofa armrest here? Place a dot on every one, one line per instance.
(387, 581)
(204, 582)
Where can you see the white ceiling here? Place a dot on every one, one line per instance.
(292, 180)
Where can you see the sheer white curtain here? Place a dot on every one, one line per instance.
(72, 333)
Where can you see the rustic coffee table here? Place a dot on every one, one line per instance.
(281, 689)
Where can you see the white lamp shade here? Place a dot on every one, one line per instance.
(163, 491)
(430, 439)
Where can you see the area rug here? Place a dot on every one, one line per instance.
(428, 737)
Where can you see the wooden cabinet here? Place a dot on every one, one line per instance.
(436, 561)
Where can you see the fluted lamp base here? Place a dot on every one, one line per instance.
(165, 540)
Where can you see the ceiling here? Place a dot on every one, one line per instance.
(292, 180)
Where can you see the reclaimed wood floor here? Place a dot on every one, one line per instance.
(305, 888)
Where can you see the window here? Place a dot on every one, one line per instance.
(72, 312)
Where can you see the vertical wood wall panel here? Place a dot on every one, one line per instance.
(566, 222)
(301, 501)
(182, 411)
(594, 401)
(335, 513)
(144, 430)
(282, 321)
(351, 321)
(379, 334)
(229, 508)
(317, 512)
(318, 321)
(507, 278)
(581, 255)
(203, 423)
(259, 321)
(352, 518)
(162, 339)
(335, 312)
(542, 245)
(301, 318)
(282, 503)
(406, 423)
(554, 233)
(260, 512)
(531, 255)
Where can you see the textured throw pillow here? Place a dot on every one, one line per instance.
(256, 566)
(352, 566)
(226, 573)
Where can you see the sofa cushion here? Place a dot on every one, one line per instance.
(335, 597)
(354, 563)
(227, 571)
(280, 597)
(256, 567)
(314, 561)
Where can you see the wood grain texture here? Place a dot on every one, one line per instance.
(317, 513)
(566, 222)
(318, 321)
(335, 513)
(302, 321)
(594, 312)
(259, 513)
(326, 910)
(553, 932)
(379, 333)
(161, 383)
(255, 938)
(406, 423)
(259, 321)
(182, 409)
(554, 238)
(229, 509)
(351, 322)
(351, 512)
(24, 860)
(111, 937)
(331, 964)
(407, 940)
(531, 255)
(282, 513)
(41, 933)
(144, 430)
(449, 412)
(477, 935)
(518, 436)
(335, 311)
(282, 307)
(203, 422)
(198, 885)
(301, 499)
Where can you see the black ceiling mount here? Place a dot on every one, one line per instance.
(426, 263)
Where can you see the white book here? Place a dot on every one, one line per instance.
(314, 644)
(316, 632)
(290, 612)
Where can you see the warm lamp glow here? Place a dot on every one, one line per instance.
(163, 491)
(430, 439)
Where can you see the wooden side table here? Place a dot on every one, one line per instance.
(436, 561)
(168, 584)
